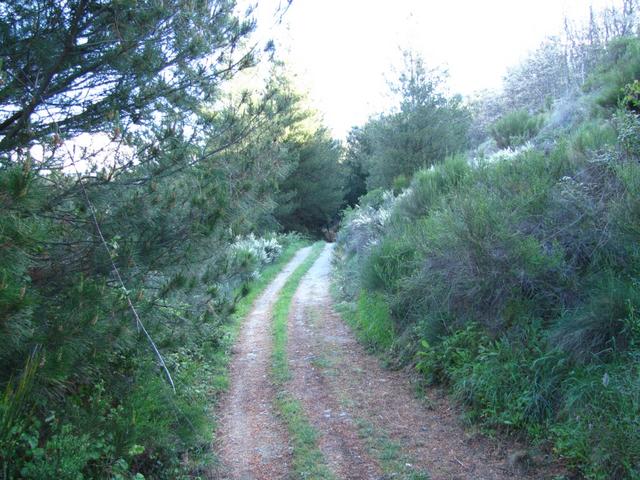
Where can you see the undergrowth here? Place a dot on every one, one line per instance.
(370, 319)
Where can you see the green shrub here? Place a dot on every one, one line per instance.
(507, 383)
(387, 264)
(619, 68)
(597, 326)
(506, 386)
(373, 321)
(439, 360)
(628, 130)
(592, 413)
(428, 187)
(516, 128)
(593, 136)
(64, 456)
(399, 183)
(373, 198)
(631, 99)
(598, 425)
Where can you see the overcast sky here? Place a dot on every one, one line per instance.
(343, 52)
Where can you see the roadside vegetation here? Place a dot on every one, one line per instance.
(508, 271)
(217, 360)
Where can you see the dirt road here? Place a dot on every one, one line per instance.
(371, 424)
(252, 442)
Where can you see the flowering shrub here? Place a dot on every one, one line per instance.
(505, 154)
(253, 252)
(362, 226)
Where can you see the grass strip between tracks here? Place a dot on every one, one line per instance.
(218, 359)
(308, 461)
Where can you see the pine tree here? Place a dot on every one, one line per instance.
(312, 193)
(77, 66)
(427, 127)
(176, 172)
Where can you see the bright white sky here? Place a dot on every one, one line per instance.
(343, 52)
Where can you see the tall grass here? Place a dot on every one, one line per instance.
(370, 318)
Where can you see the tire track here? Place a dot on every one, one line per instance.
(371, 424)
(252, 442)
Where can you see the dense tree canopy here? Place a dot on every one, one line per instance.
(82, 66)
(126, 180)
(312, 194)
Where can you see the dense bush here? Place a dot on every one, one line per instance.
(371, 320)
(516, 128)
(89, 401)
(631, 99)
(619, 68)
(514, 281)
